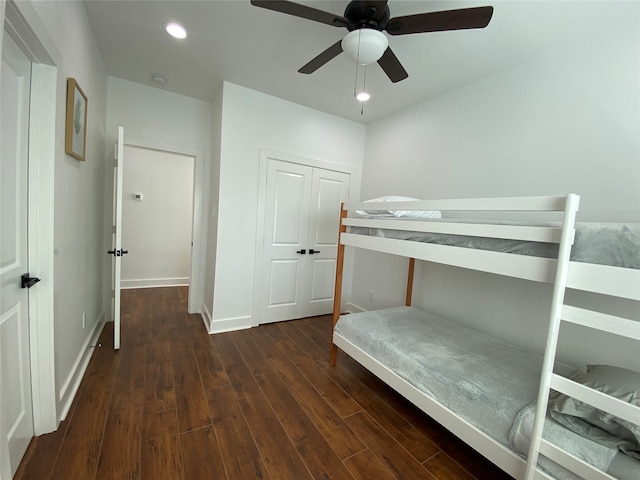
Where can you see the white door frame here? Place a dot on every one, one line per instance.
(265, 156)
(116, 246)
(5, 470)
(196, 273)
(26, 28)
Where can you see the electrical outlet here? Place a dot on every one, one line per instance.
(84, 319)
(372, 296)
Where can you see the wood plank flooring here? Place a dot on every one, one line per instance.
(177, 403)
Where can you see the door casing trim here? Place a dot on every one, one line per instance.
(27, 30)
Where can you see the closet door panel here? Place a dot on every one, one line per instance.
(289, 216)
(321, 289)
(328, 190)
(284, 282)
(285, 234)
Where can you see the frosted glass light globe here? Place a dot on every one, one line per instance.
(365, 45)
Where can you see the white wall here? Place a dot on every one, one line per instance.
(565, 122)
(156, 229)
(79, 195)
(166, 121)
(250, 121)
(214, 192)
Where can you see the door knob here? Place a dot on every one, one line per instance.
(117, 253)
(312, 251)
(302, 252)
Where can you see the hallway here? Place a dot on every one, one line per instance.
(176, 403)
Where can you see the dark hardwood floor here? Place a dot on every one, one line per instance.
(177, 403)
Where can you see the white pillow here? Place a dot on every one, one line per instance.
(399, 213)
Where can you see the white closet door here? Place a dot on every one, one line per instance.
(285, 237)
(301, 216)
(329, 190)
(16, 422)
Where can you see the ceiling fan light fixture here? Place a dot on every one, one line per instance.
(363, 96)
(365, 45)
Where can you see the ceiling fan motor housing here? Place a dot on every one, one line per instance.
(366, 14)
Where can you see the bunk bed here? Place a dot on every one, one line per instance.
(509, 404)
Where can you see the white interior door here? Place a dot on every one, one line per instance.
(285, 237)
(16, 426)
(329, 189)
(300, 240)
(116, 245)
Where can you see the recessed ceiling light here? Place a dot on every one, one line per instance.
(363, 96)
(158, 79)
(176, 30)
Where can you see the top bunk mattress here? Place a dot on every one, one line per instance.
(613, 244)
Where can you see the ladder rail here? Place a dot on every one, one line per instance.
(557, 301)
(560, 312)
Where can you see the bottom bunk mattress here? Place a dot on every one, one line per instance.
(484, 380)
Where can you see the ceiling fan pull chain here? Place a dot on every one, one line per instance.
(355, 84)
(364, 89)
(364, 80)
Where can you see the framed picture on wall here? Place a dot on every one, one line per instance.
(75, 141)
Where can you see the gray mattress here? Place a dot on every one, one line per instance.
(482, 379)
(615, 244)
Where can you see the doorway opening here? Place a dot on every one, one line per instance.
(157, 218)
(150, 159)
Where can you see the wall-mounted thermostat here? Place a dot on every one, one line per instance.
(137, 196)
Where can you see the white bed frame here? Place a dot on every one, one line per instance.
(561, 273)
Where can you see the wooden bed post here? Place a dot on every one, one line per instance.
(337, 294)
(412, 266)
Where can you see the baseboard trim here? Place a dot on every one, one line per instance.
(206, 316)
(71, 385)
(154, 282)
(353, 308)
(230, 324)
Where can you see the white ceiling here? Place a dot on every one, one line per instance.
(262, 50)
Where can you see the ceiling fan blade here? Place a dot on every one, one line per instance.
(302, 11)
(392, 66)
(330, 53)
(465, 18)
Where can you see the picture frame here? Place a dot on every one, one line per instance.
(75, 142)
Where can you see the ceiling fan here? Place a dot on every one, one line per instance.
(366, 20)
